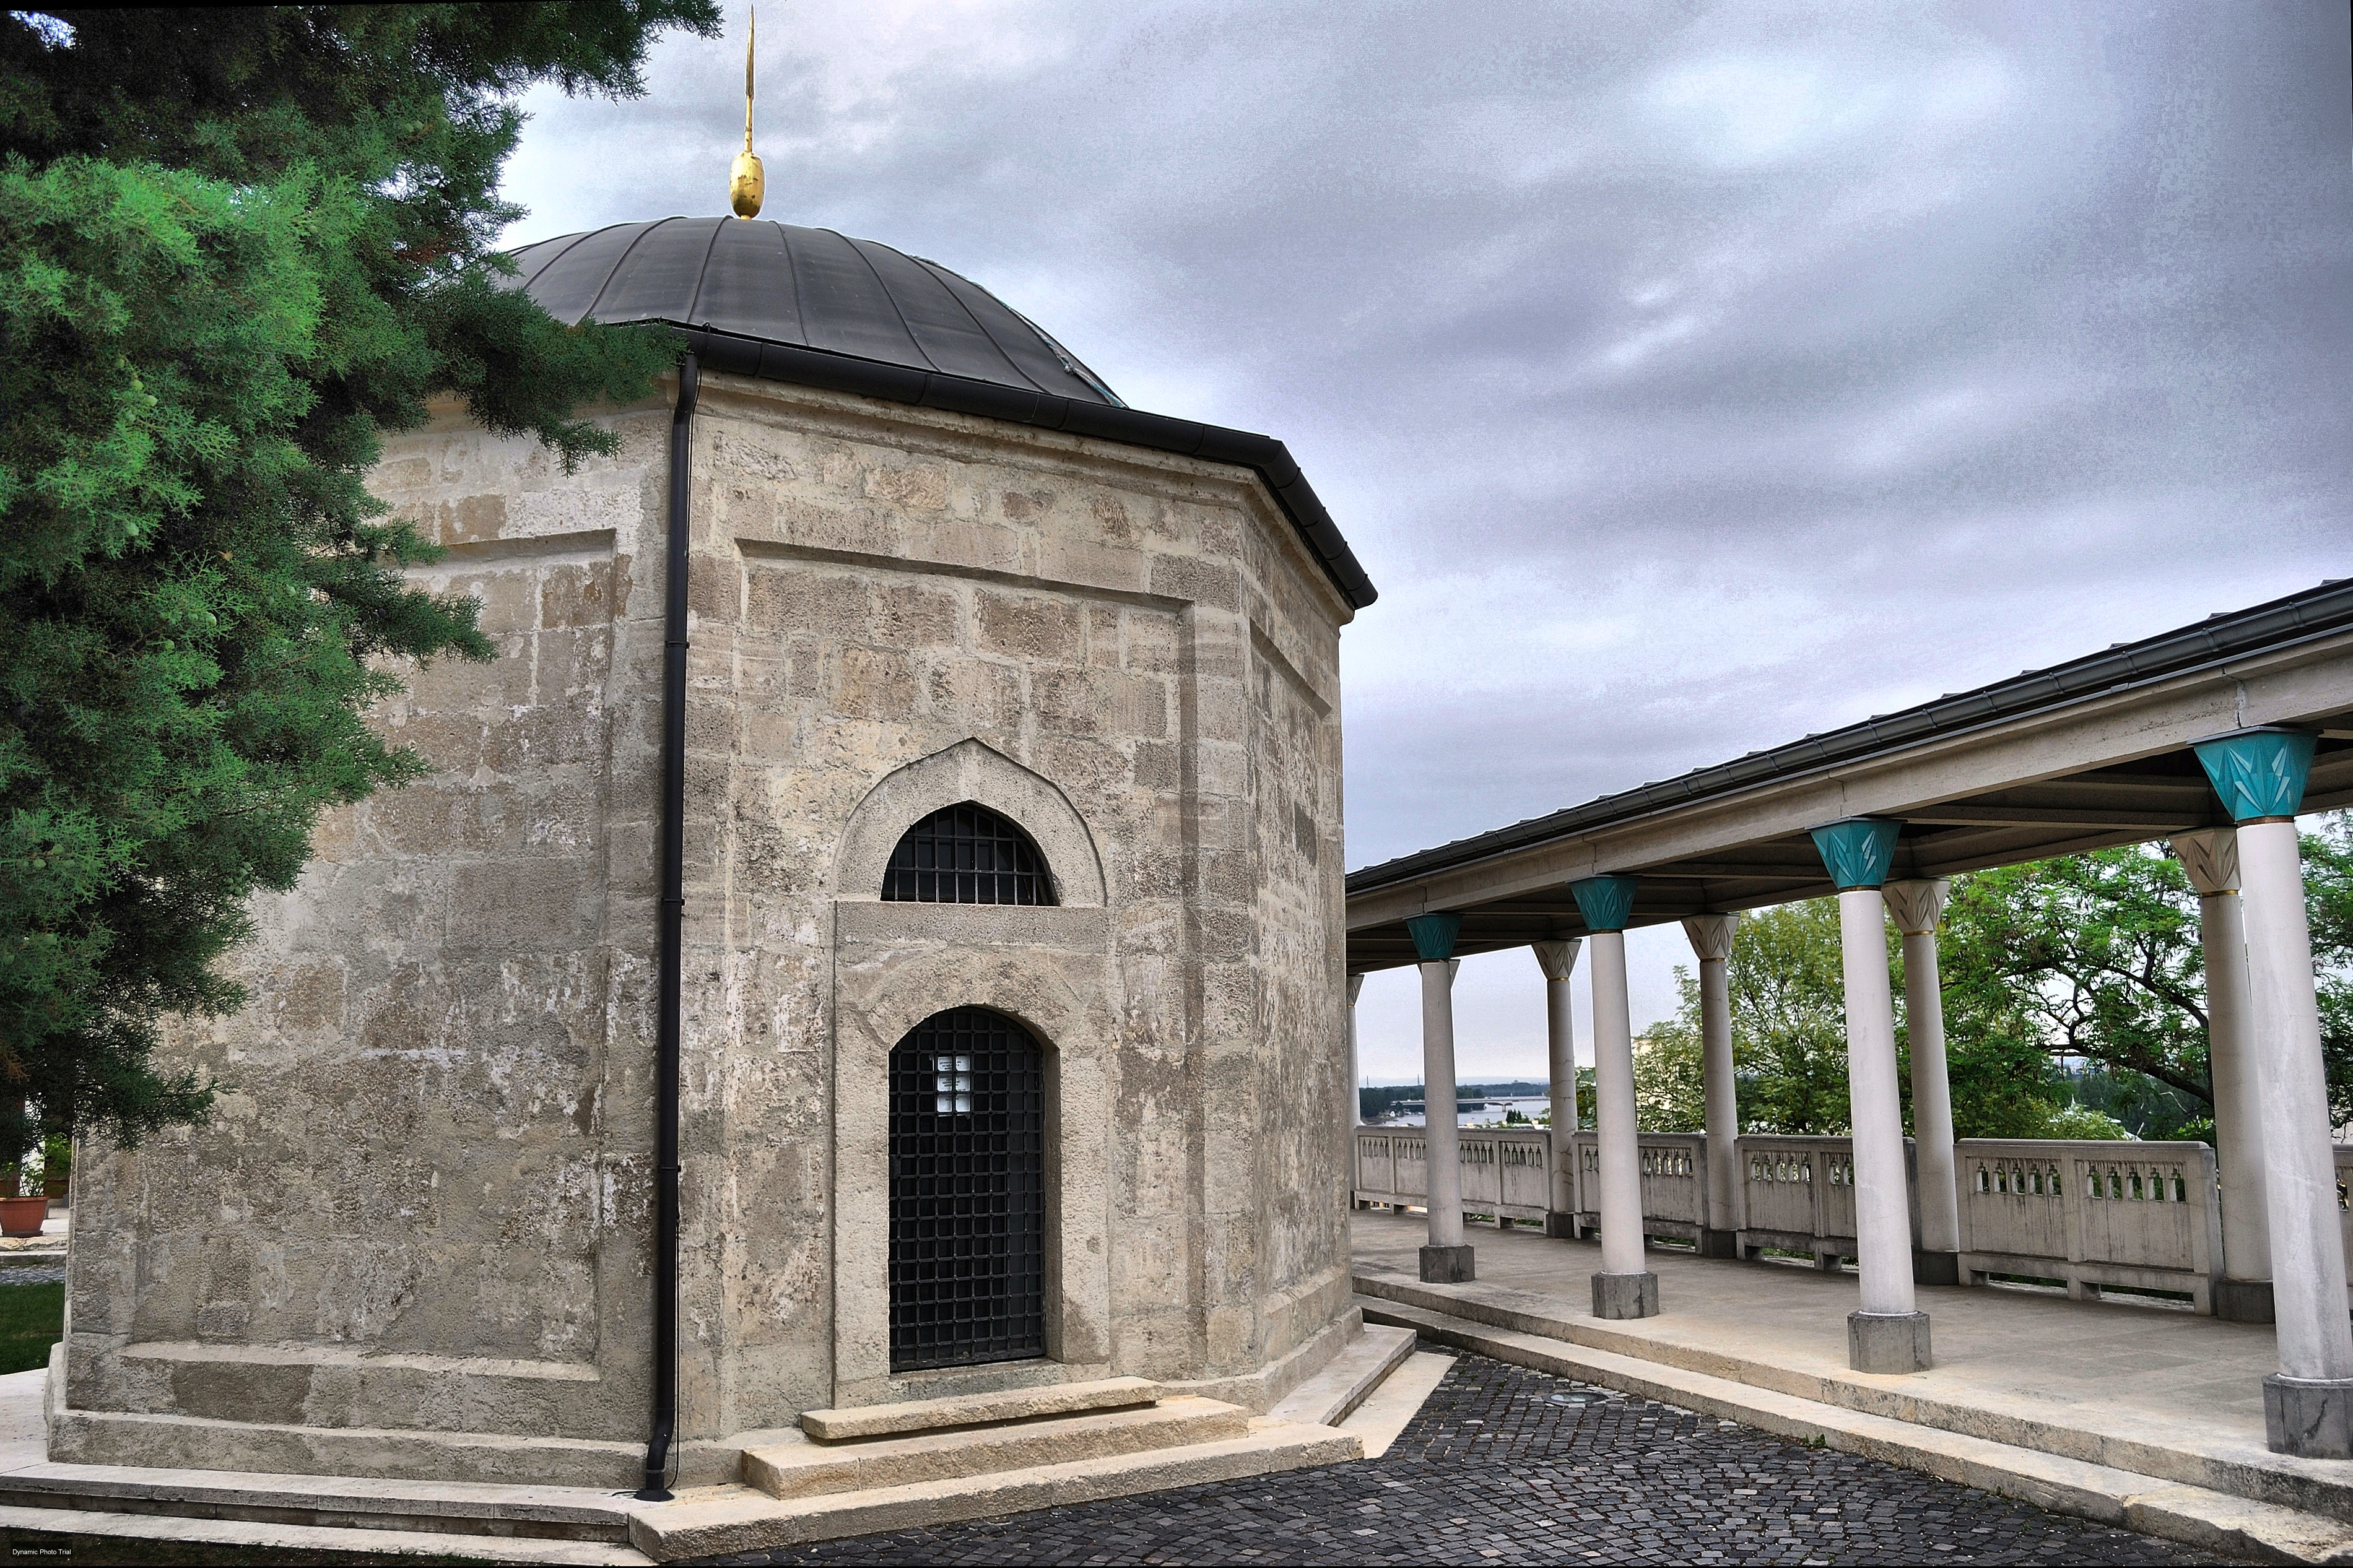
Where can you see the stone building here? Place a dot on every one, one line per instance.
(1011, 991)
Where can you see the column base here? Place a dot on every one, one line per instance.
(1448, 1265)
(1719, 1243)
(1887, 1341)
(1625, 1295)
(2310, 1418)
(2243, 1300)
(1936, 1268)
(1560, 1224)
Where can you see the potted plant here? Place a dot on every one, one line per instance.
(19, 1215)
(56, 1169)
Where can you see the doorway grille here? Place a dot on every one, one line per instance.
(968, 1193)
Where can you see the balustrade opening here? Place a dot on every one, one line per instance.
(967, 1192)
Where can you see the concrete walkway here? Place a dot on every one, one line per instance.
(2129, 1395)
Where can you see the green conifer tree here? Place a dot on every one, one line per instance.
(237, 246)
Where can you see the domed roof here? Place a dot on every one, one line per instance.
(780, 283)
(816, 309)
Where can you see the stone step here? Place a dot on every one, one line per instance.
(720, 1521)
(976, 1409)
(1327, 1398)
(809, 1469)
(323, 1502)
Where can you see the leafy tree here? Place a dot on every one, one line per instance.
(2099, 956)
(1788, 1019)
(1670, 1080)
(2099, 952)
(236, 246)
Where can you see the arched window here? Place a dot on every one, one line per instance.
(967, 1192)
(967, 855)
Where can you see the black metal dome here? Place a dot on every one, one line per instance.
(780, 283)
(814, 308)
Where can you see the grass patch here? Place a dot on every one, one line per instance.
(32, 1319)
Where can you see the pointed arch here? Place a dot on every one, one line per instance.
(969, 771)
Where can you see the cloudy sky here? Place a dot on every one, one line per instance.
(1689, 377)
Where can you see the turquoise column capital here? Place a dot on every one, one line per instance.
(1606, 902)
(1858, 851)
(2259, 772)
(1433, 935)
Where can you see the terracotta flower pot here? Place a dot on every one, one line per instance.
(22, 1216)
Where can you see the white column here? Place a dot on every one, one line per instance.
(1916, 907)
(2210, 857)
(1613, 1104)
(2316, 1341)
(1355, 1073)
(1557, 960)
(1710, 939)
(1444, 1198)
(1883, 1216)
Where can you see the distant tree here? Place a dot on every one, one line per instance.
(2098, 956)
(1788, 1019)
(236, 244)
(1670, 1081)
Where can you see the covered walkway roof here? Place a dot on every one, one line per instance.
(2082, 755)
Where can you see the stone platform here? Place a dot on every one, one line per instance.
(843, 1472)
(2140, 1415)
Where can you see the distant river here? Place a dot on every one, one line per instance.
(1491, 1117)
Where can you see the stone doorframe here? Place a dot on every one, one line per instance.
(1047, 968)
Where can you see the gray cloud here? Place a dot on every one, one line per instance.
(1689, 377)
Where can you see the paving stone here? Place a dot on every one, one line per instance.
(1508, 1465)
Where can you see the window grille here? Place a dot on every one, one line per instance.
(968, 1193)
(967, 855)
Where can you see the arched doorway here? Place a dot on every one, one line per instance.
(967, 1192)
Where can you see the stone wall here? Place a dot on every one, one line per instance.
(424, 1203)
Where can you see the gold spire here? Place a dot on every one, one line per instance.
(745, 183)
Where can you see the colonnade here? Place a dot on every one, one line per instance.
(2284, 1253)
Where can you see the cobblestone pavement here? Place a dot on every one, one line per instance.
(1508, 1465)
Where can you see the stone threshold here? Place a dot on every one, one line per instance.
(2204, 1517)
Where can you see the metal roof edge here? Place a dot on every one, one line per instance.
(2296, 618)
(1268, 458)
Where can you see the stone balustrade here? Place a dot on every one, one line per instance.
(2092, 1214)
(1797, 1194)
(1504, 1169)
(1674, 1183)
(2087, 1212)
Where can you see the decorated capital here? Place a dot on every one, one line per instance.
(1556, 958)
(2210, 855)
(1711, 936)
(1606, 902)
(1433, 935)
(1917, 906)
(1858, 851)
(2259, 772)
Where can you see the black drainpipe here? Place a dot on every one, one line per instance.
(672, 920)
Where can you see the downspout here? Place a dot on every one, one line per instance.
(671, 921)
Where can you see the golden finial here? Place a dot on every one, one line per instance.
(745, 183)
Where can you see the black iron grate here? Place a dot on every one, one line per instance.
(967, 1192)
(967, 855)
